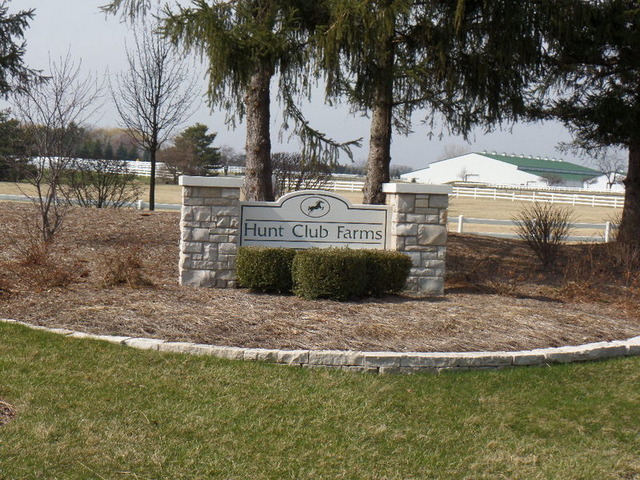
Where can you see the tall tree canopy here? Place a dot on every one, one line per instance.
(593, 86)
(466, 61)
(246, 43)
(14, 75)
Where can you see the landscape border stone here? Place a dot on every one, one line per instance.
(377, 362)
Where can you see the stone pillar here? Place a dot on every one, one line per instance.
(209, 225)
(419, 229)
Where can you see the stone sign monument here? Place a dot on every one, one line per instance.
(215, 222)
(309, 219)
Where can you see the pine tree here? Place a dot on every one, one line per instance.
(466, 61)
(14, 75)
(246, 44)
(593, 87)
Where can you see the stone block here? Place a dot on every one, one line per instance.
(198, 278)
(143, 343)
(423, 272)
(201, 214)
(193, 201)
(335, 357)
(633, 346)
(226, 211)
(219, 202)
(261, 355)
(405, 204)
(292, 357)
(200, 234)
(186, 213)
(415, 218)
(431, 286)
(191, 247)
(209, 192)
(175, 347)
(482, 359)
(404, 229)
(112, 338)
(219, 238)
(422, 201)
(416, 259)
(382, 359)
(439, 201)
(398, 243)
(203, 265)
(528, 358)
(227, 248)
(428, 211)
(398, 217)
(586, 352)
(432, 235)
(66, 331)
(223, 222)
(426, 360)
(231, 193)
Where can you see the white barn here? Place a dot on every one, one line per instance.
(514, 170)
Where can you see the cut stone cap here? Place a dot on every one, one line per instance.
(420, 188)
(192, 181)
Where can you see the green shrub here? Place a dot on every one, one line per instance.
(334, 273)
(265, 269)
(387, 271)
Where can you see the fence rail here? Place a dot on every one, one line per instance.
(593, 200)
(606, 228)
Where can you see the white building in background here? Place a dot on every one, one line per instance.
(512, 170)
(602, 183)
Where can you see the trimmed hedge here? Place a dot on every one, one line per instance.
(265, 269)
(334, 273)
(387, 271)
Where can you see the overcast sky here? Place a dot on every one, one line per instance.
(79, 27)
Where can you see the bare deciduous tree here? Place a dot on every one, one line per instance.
(155, 95)
(293, 173)
(52, 114)
(612, 167)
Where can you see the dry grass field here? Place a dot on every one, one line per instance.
(115, 272)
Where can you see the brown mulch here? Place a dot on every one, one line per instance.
(497, 299)
(7, 412)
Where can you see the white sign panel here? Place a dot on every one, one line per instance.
(312, 218)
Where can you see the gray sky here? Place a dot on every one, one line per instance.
(79, 27)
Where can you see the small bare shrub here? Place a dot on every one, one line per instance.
(544, 227)
(36, 265)
(124, 268)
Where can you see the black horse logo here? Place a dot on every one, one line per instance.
(318, 206)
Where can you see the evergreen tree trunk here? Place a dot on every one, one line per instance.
(381, 129)
(629, 231)
(258, 185)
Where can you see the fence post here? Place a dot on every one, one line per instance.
(607, 231)
(460, 223)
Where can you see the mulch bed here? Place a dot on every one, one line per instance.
(497, 299)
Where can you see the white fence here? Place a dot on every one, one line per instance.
(605, 229)
(575, 198)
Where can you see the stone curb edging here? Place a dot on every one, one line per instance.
(377, 362)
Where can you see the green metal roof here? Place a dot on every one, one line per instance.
(545, 167)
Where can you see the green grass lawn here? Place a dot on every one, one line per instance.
(94, 410)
